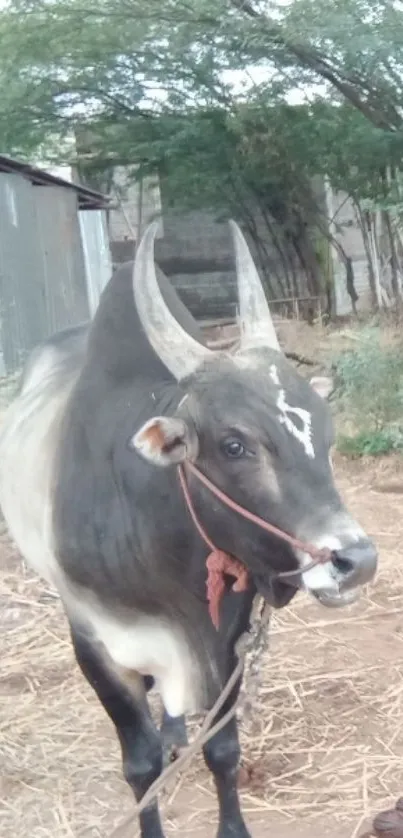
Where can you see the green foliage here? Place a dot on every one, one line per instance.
(68, 67)
(371, 444)
(369, 391)
(65, 63)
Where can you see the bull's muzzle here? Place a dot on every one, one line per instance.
(356, 564)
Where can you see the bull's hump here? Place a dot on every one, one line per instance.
(118, 343)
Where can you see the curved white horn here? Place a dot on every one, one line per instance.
(255, 320)
(180, 353)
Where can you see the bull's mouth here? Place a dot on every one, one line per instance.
(276, 593)
(333, 599)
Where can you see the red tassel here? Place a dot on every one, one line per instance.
(217, 564)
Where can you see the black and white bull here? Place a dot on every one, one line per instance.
(90, 490)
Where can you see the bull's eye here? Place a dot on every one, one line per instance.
(234, 448)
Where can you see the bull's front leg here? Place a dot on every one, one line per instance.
(139, 739)
(222, 754)
(222, 751)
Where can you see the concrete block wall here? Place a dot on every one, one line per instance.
(196, 250)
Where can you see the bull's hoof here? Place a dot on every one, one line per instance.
(389, 824)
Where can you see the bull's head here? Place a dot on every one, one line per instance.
(261, 433)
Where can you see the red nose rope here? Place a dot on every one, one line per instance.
(219, 562)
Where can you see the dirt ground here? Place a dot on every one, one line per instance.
(322, 753)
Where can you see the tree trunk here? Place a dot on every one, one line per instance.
(363, 225)
(288, 268)
(350, 285)
(241, 209)
(263, 257)
(306, 253)
(393, 261)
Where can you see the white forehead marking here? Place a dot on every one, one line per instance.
(274, 374)
(303, 436)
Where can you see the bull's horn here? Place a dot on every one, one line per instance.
(255, 320)
(180, 353)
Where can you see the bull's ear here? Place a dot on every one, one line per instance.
(165, 441)
(322, 385)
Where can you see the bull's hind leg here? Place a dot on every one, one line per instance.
(139, 739)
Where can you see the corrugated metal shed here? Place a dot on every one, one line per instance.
(21, 284)
(50, 275)
(97, 254)
(86, 198)
(62, 257)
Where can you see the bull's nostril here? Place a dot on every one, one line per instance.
(343, 565)
(356, 563)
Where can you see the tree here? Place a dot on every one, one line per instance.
(151, 83)
(65, 61)
(355, 46)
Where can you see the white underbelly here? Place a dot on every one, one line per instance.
(146, 645)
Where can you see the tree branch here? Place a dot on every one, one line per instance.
(312, 59)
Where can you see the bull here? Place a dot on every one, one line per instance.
(131, 454)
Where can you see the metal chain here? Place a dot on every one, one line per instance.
(258, 645)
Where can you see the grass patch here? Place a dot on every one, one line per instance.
(369, 395)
